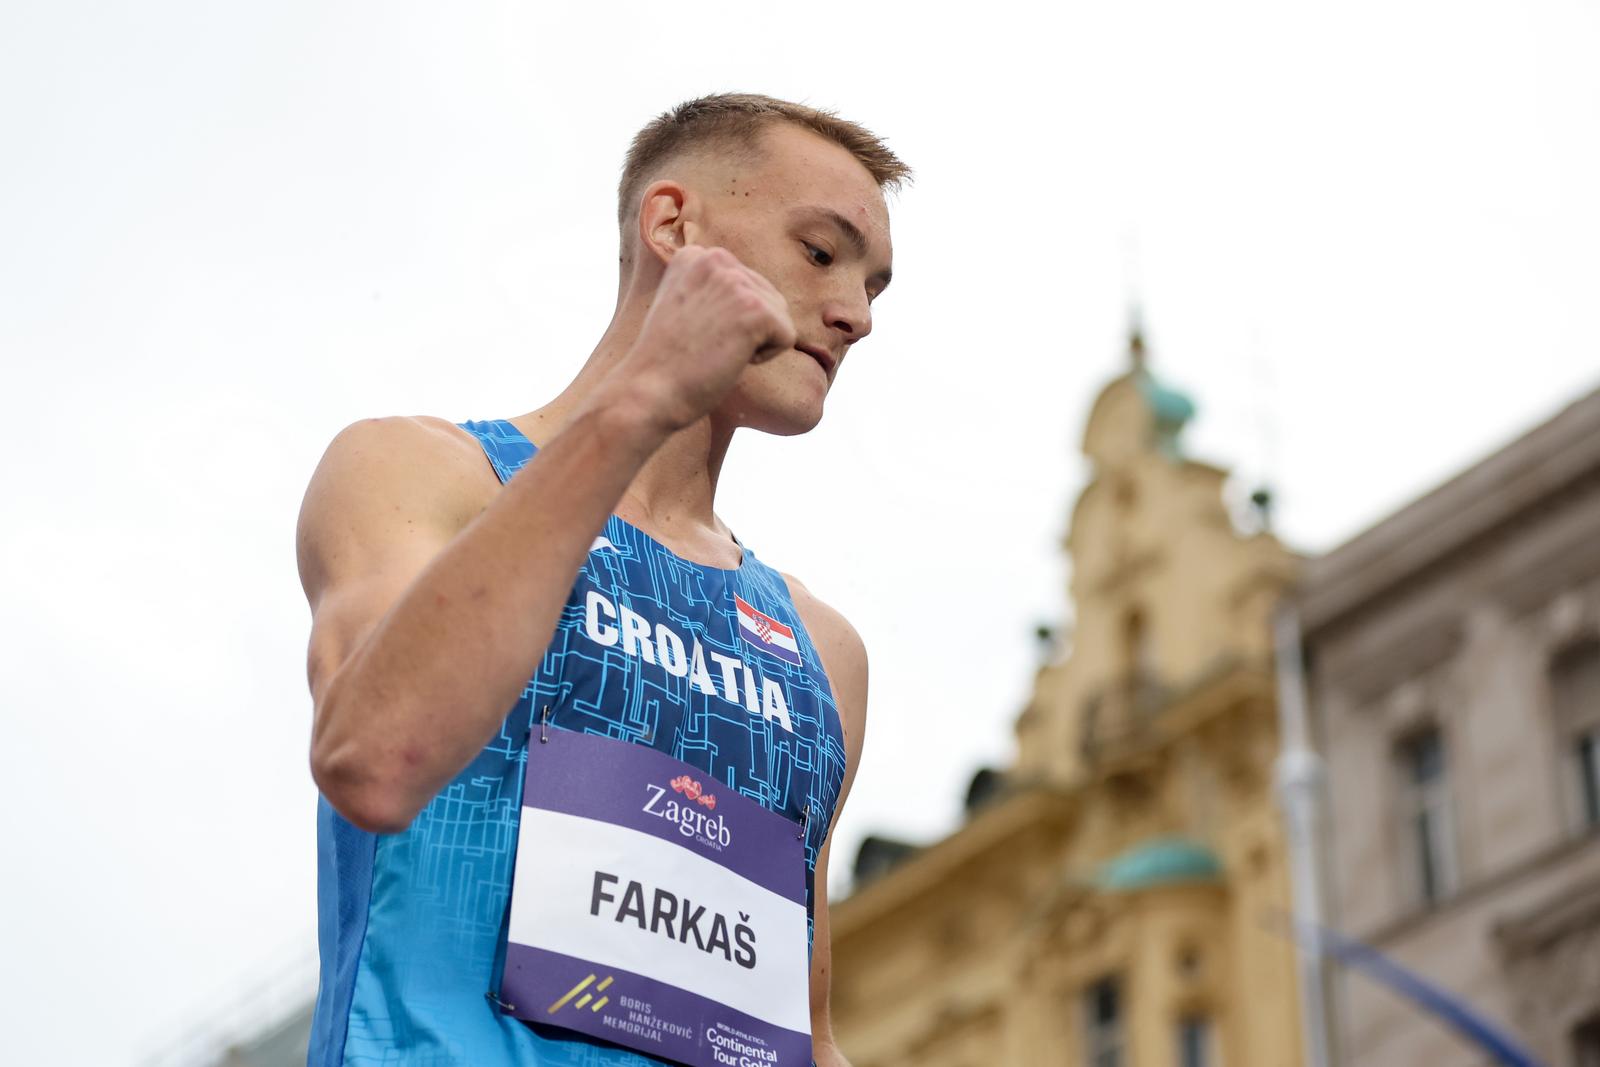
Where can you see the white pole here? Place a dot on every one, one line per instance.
(1299, 782)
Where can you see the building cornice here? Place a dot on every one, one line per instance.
(991, 828)
(1564, 855)
(1536, 929)
(1468, 507)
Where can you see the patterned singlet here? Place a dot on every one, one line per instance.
(649, 650)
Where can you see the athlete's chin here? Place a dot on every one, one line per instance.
(786, 417)
(785, 424)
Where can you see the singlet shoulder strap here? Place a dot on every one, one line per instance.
(508, 450)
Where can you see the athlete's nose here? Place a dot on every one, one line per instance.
(852, 318)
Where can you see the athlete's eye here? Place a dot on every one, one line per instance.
(821, 257)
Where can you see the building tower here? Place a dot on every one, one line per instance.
(1116, 897)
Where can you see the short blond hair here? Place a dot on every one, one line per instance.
(735, 121)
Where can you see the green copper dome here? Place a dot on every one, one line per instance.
(1170, 410)
(1164, 861)
(1169, 406)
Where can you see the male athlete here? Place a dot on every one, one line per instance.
(567, 564)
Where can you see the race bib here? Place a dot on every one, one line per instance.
(656, 908)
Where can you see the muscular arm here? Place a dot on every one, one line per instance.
(426, 620)
(844, 658)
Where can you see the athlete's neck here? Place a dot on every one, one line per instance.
(673, 498)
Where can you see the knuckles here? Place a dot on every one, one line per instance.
(711, 285)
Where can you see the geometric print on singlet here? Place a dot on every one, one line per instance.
(649, 650)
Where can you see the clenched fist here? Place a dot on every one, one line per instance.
(711, 317)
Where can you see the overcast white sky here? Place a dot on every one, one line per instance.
(1366, 239)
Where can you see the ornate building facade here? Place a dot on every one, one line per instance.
(1116, 897)
(1454, 667)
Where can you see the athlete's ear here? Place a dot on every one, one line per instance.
(666, 218)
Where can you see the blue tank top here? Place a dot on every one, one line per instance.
(411, 926)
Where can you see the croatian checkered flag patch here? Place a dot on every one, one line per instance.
(766, 633)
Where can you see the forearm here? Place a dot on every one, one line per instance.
(430, 684)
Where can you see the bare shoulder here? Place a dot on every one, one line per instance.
(403, 439)
(830, 630)
(843, 653)
(403, 482)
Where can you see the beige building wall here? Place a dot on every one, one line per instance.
(1136, 838)
(1447, 617)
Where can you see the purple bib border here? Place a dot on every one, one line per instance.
(579, 774)
(641, 1013)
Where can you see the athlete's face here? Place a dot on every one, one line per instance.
(811, 219)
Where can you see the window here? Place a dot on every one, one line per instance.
(1426, 828)
(1587, 750)
(1195, 1039)
(1575, 702)
(1103, 1024)
(1138, 648)
(1586, 1044)
(1143, 694)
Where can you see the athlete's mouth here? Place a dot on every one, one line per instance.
(821, 356)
